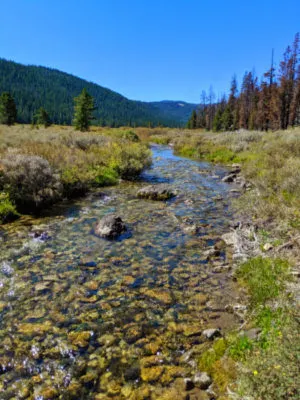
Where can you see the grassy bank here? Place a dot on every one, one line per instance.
(39, 167)
(264, 365)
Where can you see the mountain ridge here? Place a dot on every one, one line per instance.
(35, 86)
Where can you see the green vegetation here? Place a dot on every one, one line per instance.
(41, 167)
(42, 118)
(83, 111)
(8, 110)
(270, 364)
(265, 278)
(33, 87)
(8, 211)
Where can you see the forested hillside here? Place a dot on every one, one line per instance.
(33, 87)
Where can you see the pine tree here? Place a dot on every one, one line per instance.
(227, 119)
(230, 119)
(8, 109)
(192, 123)
(83, 111)
(287, 78)
(42, 117)
(217, 122)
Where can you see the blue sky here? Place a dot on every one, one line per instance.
(150, 49)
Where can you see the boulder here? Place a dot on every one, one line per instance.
(111, 226)
(156, 192)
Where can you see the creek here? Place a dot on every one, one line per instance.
(87, 318)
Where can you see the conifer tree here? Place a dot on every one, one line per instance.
(217, 122)
(42, 117)
(83, 111)
(8, 109)
(287, 78)
(192, 123)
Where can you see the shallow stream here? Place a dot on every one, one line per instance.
(87, 318)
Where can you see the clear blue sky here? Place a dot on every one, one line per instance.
(150, 49)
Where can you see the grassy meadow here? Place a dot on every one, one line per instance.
(39, 167)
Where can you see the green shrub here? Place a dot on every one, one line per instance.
(105, 177)
(8, 211)
(129, 159)
(130, 136)
(74, 181)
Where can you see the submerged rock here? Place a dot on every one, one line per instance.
(110, 227)
(156, 192)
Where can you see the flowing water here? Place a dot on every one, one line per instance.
(87, 318)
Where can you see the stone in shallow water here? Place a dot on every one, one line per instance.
(192, 330)
(200, 299)
(210, 334)
(48, 393)
(107, 340)
(152, 374)
(34, 329)
(111, 226)
(161, 295)
(41, 286)
(80, 339)
(156, 192)
(202, 380)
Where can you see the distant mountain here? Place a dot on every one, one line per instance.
(35, 86)
(180, 111)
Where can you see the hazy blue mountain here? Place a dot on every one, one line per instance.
(35, 86)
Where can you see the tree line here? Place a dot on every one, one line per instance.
(273, 103)
(83, 111)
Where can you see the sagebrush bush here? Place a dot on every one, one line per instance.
(30, 181)
(84, 141)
